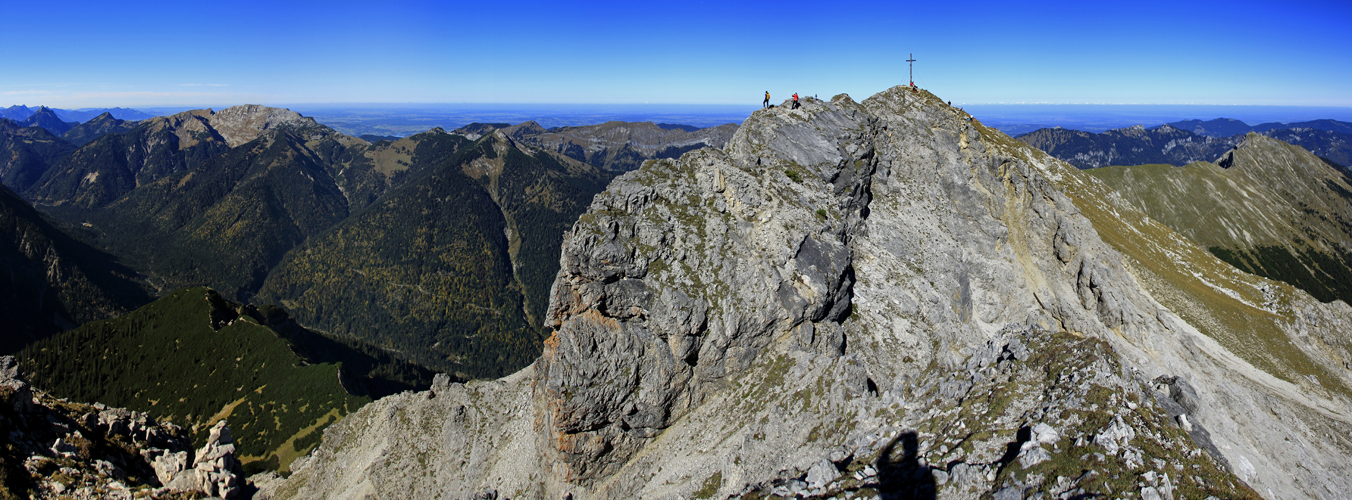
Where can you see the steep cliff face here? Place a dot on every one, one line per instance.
(878, 298)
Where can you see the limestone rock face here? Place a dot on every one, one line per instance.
(681, 274)
(241, 124)
(869, 299)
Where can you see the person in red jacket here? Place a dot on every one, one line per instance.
(795, 100)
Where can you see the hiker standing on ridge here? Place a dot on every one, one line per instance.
(795, 100)
(766, 104)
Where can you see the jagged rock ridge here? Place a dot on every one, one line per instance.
(613, 146)
(885, 298)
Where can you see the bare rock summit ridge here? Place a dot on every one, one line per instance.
(878, 299)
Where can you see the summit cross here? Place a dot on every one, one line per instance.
(911, 62)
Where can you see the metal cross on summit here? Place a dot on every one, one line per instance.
(911, 62)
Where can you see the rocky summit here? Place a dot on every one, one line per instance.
(883, 299)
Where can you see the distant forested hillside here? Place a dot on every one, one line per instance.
(452, 268)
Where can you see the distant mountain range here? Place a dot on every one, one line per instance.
(1226, 127)
(440, 246)
(47, 119)
(613, 146)
(1174, 145)
(20, 113)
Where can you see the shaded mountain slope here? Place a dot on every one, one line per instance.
(1335, 146)
(45, 118)
(1267, 207)
(114, 164)
(52, 282)
(193, 358)
(204, 197)
(450, 267)
(366, 173)
(225, 221)
(879, 299)
(96, 127)
(26, 153)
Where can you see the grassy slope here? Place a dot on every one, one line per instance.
(1278, 212)
(167, 360)
(1218, 299)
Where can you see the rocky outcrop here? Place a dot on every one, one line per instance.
(241, 124)
(55, 448)
(658, 301)
(876, 299)
(213, 470)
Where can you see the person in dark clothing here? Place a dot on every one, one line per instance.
(795, 100)
(766, 104)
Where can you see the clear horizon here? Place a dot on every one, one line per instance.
(85, 54)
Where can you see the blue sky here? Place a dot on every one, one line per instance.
(103, 54)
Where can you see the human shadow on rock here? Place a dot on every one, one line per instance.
(900, 474)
